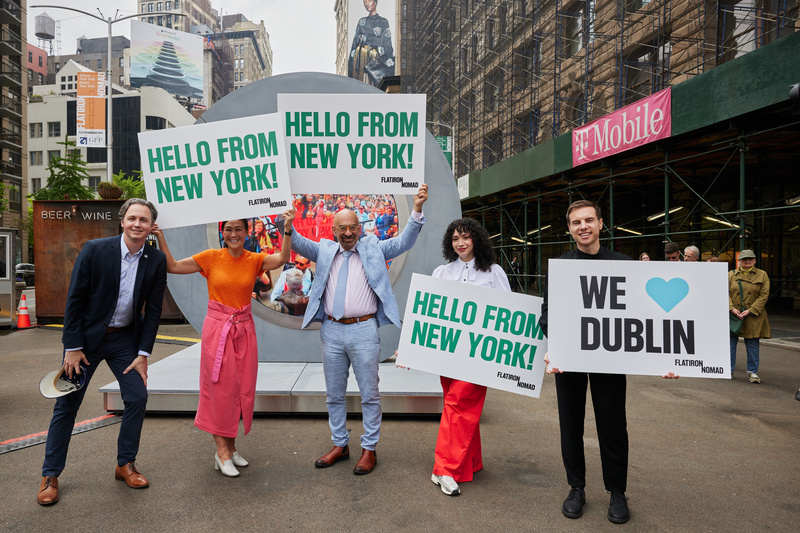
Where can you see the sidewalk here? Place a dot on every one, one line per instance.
(706, 455)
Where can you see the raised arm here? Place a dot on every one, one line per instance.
(184, 266)
(274, 261)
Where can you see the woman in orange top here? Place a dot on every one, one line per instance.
(229, 355)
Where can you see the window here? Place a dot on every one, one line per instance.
(54, 129)
(154, 123)
(36, 158)
(150, 20)
(645, 71)
(144, 8)
(41, 79)
(93, 182)
(121, 79)
(40, 61)
(58, 66)
(14, 199)
(177, 4)
(492, 90)
(574, 26)
(63, 86)
(159, 6)
(96, 155)
(52, 154)
(160, 20)
(527, 61)
(635, 5)
(168, 5)
(99, 65)
(493, 148)
(30, 75)
(527, 127)
(36, 184)
(150, 7)
(30, 57)
(69, 78)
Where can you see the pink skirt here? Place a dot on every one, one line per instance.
(228, 371)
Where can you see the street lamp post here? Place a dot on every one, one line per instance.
(109, 114)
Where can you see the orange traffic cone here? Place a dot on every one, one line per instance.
(23, 318)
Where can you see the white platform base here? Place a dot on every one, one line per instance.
(281, 388)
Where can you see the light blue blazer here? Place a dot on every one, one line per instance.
(373, 254)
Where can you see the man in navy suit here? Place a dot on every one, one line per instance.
(351, 318)
(113, 281)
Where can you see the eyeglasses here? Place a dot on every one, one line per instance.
(343, 229)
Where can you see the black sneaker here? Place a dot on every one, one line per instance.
(618, 508)
(573, 505)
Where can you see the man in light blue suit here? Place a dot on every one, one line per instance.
(352, 297)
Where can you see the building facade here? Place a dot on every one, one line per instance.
(512, 79)
(37, 66)
(52, 117)
(195, 13)
(92, 54)
(13, 91)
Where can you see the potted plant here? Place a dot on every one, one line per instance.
(108, 190)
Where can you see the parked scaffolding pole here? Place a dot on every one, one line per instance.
(666, 196)
(526, 247)
(742, 150)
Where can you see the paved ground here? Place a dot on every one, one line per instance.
(706, 455)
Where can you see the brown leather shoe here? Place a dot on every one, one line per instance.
(366, 464)
(131, 476)
(48, 491)
(334, 456)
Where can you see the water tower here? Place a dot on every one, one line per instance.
(45, 27)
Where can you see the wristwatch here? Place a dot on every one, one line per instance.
(288, 233)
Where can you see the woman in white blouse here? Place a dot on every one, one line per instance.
(467, 246)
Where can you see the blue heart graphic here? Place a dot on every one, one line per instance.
(667, 294)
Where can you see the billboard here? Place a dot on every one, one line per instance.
(166, 58)
(372, 36)
(91, 109)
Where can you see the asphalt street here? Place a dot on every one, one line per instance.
(705, 455)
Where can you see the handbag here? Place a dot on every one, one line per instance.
(736, 323)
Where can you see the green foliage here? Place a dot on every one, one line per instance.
(3, 199)
(132, 187)
(66, 175)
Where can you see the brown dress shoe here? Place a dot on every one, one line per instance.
(131, 476)
(334, 456)
(366, 464)
(48, 491)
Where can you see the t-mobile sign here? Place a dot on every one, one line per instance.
(642, 122)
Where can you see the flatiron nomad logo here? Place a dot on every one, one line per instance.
(637, 124)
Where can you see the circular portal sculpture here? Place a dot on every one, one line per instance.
(280, 338)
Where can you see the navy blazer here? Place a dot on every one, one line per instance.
(93, 291)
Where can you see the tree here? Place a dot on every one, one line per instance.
(132, 187)
(66, 175)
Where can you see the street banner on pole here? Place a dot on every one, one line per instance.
(354, 143)
(639, 317)
(91, 109)
(216, 171)
(476, 334)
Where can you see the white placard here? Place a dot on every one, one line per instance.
(476, 334)
(216, 171)
(354, 143)
(639, 317)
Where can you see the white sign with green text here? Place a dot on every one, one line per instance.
(216, 171)
(354, 143)
(476, 334)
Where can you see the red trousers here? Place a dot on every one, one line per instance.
(458, 447)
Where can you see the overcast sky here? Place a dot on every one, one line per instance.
(302, 33)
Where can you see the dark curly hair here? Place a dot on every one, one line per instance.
(481, 245)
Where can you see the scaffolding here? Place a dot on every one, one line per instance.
(506, 75)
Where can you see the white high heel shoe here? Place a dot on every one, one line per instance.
(238, 460)
(227, 467)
